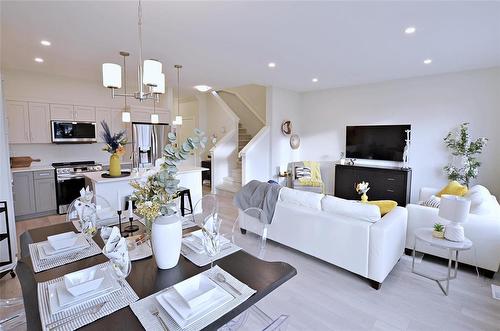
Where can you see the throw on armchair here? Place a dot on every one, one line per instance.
(305, 176)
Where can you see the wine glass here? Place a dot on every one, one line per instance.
(211, 237)
(121, 268)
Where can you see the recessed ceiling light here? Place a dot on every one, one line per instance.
(410, 30)
(38, 59)
(45, 43)
(271, 65)
(203, 88)
(427, 61)
(314, 80)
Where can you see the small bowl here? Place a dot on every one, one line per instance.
(82, 281)
(63, 240)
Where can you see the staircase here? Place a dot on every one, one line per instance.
(232, 184)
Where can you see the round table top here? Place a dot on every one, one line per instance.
(425, 234)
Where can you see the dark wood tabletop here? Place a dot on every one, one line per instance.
(146, 278)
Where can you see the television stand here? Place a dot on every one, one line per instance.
(386, 183)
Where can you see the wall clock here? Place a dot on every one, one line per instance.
(286, 127)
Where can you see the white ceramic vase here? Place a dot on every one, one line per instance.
(166, 237)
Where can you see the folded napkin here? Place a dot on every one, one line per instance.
(116, 249)
(86, 211)
(86, 195)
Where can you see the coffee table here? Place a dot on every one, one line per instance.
(425, 235)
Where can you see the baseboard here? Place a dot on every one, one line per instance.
(36, 215)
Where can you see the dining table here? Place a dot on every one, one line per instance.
(146, 278)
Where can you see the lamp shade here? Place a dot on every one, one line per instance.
(454, 208)
(178, 120)
(151, 74)
(160, 88)
(111, 75)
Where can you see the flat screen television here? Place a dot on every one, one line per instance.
(376, 142)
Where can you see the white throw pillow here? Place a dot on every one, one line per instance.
(351, 208)
(301, 198)
(481, 201)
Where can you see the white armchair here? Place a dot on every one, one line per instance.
(482, 230)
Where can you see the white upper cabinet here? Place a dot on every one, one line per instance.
(18, 122)
(39, 122)
(84, 113)
(141, 115)
(102, 114)
(61, 112)
(117, 125)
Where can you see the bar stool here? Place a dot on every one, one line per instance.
(183, 192)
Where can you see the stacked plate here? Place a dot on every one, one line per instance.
(194, 241)
(81, 286)
(192, 299)
(61, 245)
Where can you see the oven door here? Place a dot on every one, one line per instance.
(73, 132)
(67, 190)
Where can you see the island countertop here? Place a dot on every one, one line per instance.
(96, 177)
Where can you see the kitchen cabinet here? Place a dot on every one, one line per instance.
(39, 122)
(117, 124)
(23, 191)
(84, 113)
(141, 116)
(164, 117)
(61, 112)
(102, 114)
(34, 193)
(18, 122)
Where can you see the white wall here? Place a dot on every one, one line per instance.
(217, 120)
(254, 95)
(283, 105)
(32, 86)
(433, 105)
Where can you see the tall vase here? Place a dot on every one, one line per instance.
(364, 198)
(166, 237)
(115, 168)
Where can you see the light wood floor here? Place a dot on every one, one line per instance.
(325, 297)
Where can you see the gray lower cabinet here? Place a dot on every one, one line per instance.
(24, 193)
(34, 193)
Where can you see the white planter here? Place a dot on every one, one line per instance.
(166, 237)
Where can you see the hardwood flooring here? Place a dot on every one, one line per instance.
(325, 297)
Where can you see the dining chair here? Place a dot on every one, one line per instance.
(249, 231)
(104, 213)
(13, 316)
(205, 209)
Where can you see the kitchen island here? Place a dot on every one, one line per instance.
(116, 188)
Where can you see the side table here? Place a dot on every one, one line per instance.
(425, 235)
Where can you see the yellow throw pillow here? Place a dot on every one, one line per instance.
(384, 205)
(453, 188)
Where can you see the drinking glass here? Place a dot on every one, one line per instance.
(120, 270)
(211, 237)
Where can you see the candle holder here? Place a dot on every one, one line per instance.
(119, 212)
(132, 227)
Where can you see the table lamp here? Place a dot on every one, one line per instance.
(456, 210)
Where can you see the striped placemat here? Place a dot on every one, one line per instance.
(41, 265)
(114, 301)
(203, 259)
(143, 308)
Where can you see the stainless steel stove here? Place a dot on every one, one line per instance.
(70, 180)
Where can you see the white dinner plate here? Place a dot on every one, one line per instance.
(45, 251)
(60, 299)
(62, 241)
(173, 304)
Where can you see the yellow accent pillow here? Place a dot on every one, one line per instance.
(384, 205)
(453, 188)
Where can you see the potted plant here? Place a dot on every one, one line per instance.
(154, 197)
(362, 188)
(467, 152)
(115, 145)
(438, 231)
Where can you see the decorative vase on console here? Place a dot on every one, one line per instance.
(155, 196)
(362, 188)
(115, 145)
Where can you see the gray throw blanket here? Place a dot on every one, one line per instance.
(260, 195)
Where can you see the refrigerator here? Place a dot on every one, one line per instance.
(148, 141)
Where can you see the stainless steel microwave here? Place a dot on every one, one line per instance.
(73, 132)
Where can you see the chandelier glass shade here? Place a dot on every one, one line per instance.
(111, 75)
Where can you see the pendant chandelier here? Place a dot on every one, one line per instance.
(178, 118)
(150, 79)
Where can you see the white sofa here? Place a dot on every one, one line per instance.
(482, 229)
(346, 233)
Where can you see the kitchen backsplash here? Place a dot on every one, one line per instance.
(50, 153)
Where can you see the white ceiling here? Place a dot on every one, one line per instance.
(226, 44)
